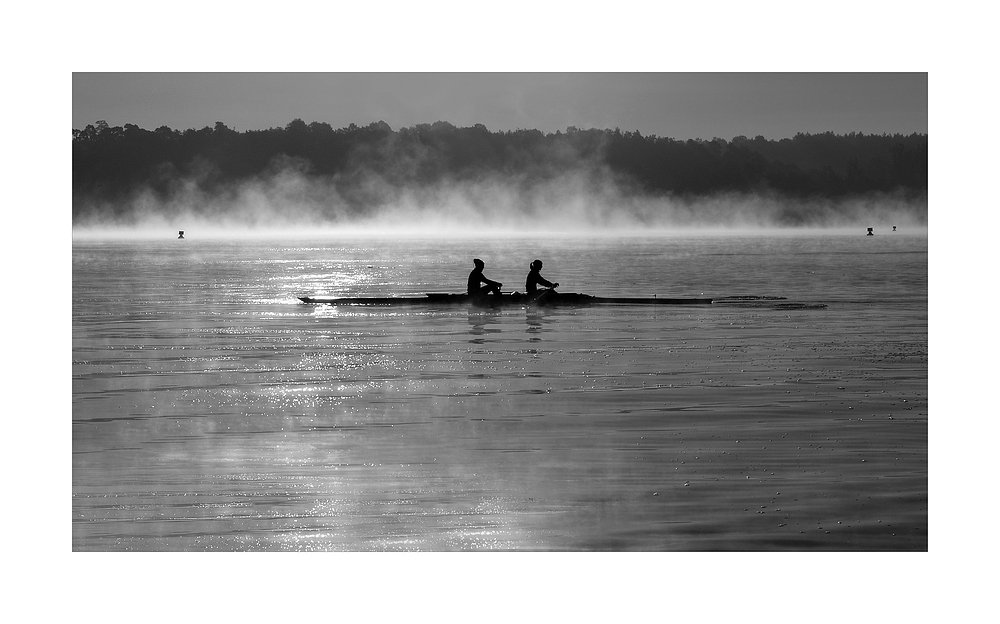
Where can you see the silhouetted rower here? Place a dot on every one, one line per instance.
(535, 278)
(476, 278)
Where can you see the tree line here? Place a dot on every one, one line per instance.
(111, 164)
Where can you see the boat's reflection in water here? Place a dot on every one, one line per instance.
(486, 322)
(534, 318)
(483, 322)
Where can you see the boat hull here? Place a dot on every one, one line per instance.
(544, 298)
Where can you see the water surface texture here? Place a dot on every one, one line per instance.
(214, 411)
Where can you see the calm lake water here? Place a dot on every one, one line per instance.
(214, 411)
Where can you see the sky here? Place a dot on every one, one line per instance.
(681, 105)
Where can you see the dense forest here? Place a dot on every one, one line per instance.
(372, 166)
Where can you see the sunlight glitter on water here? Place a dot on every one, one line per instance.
(461, 429)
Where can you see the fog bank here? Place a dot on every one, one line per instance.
(586, 201)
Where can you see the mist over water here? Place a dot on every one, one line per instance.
(587, 201)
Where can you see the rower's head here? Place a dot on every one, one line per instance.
(479, 263)
(537, 265)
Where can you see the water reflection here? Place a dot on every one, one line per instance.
(535, 318)
(479, 324)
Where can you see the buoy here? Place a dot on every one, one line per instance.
(870, 233)
(180, 234)
(894, 228)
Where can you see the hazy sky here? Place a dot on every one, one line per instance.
(676, 105)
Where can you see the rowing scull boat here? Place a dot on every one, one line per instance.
(543, 297)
